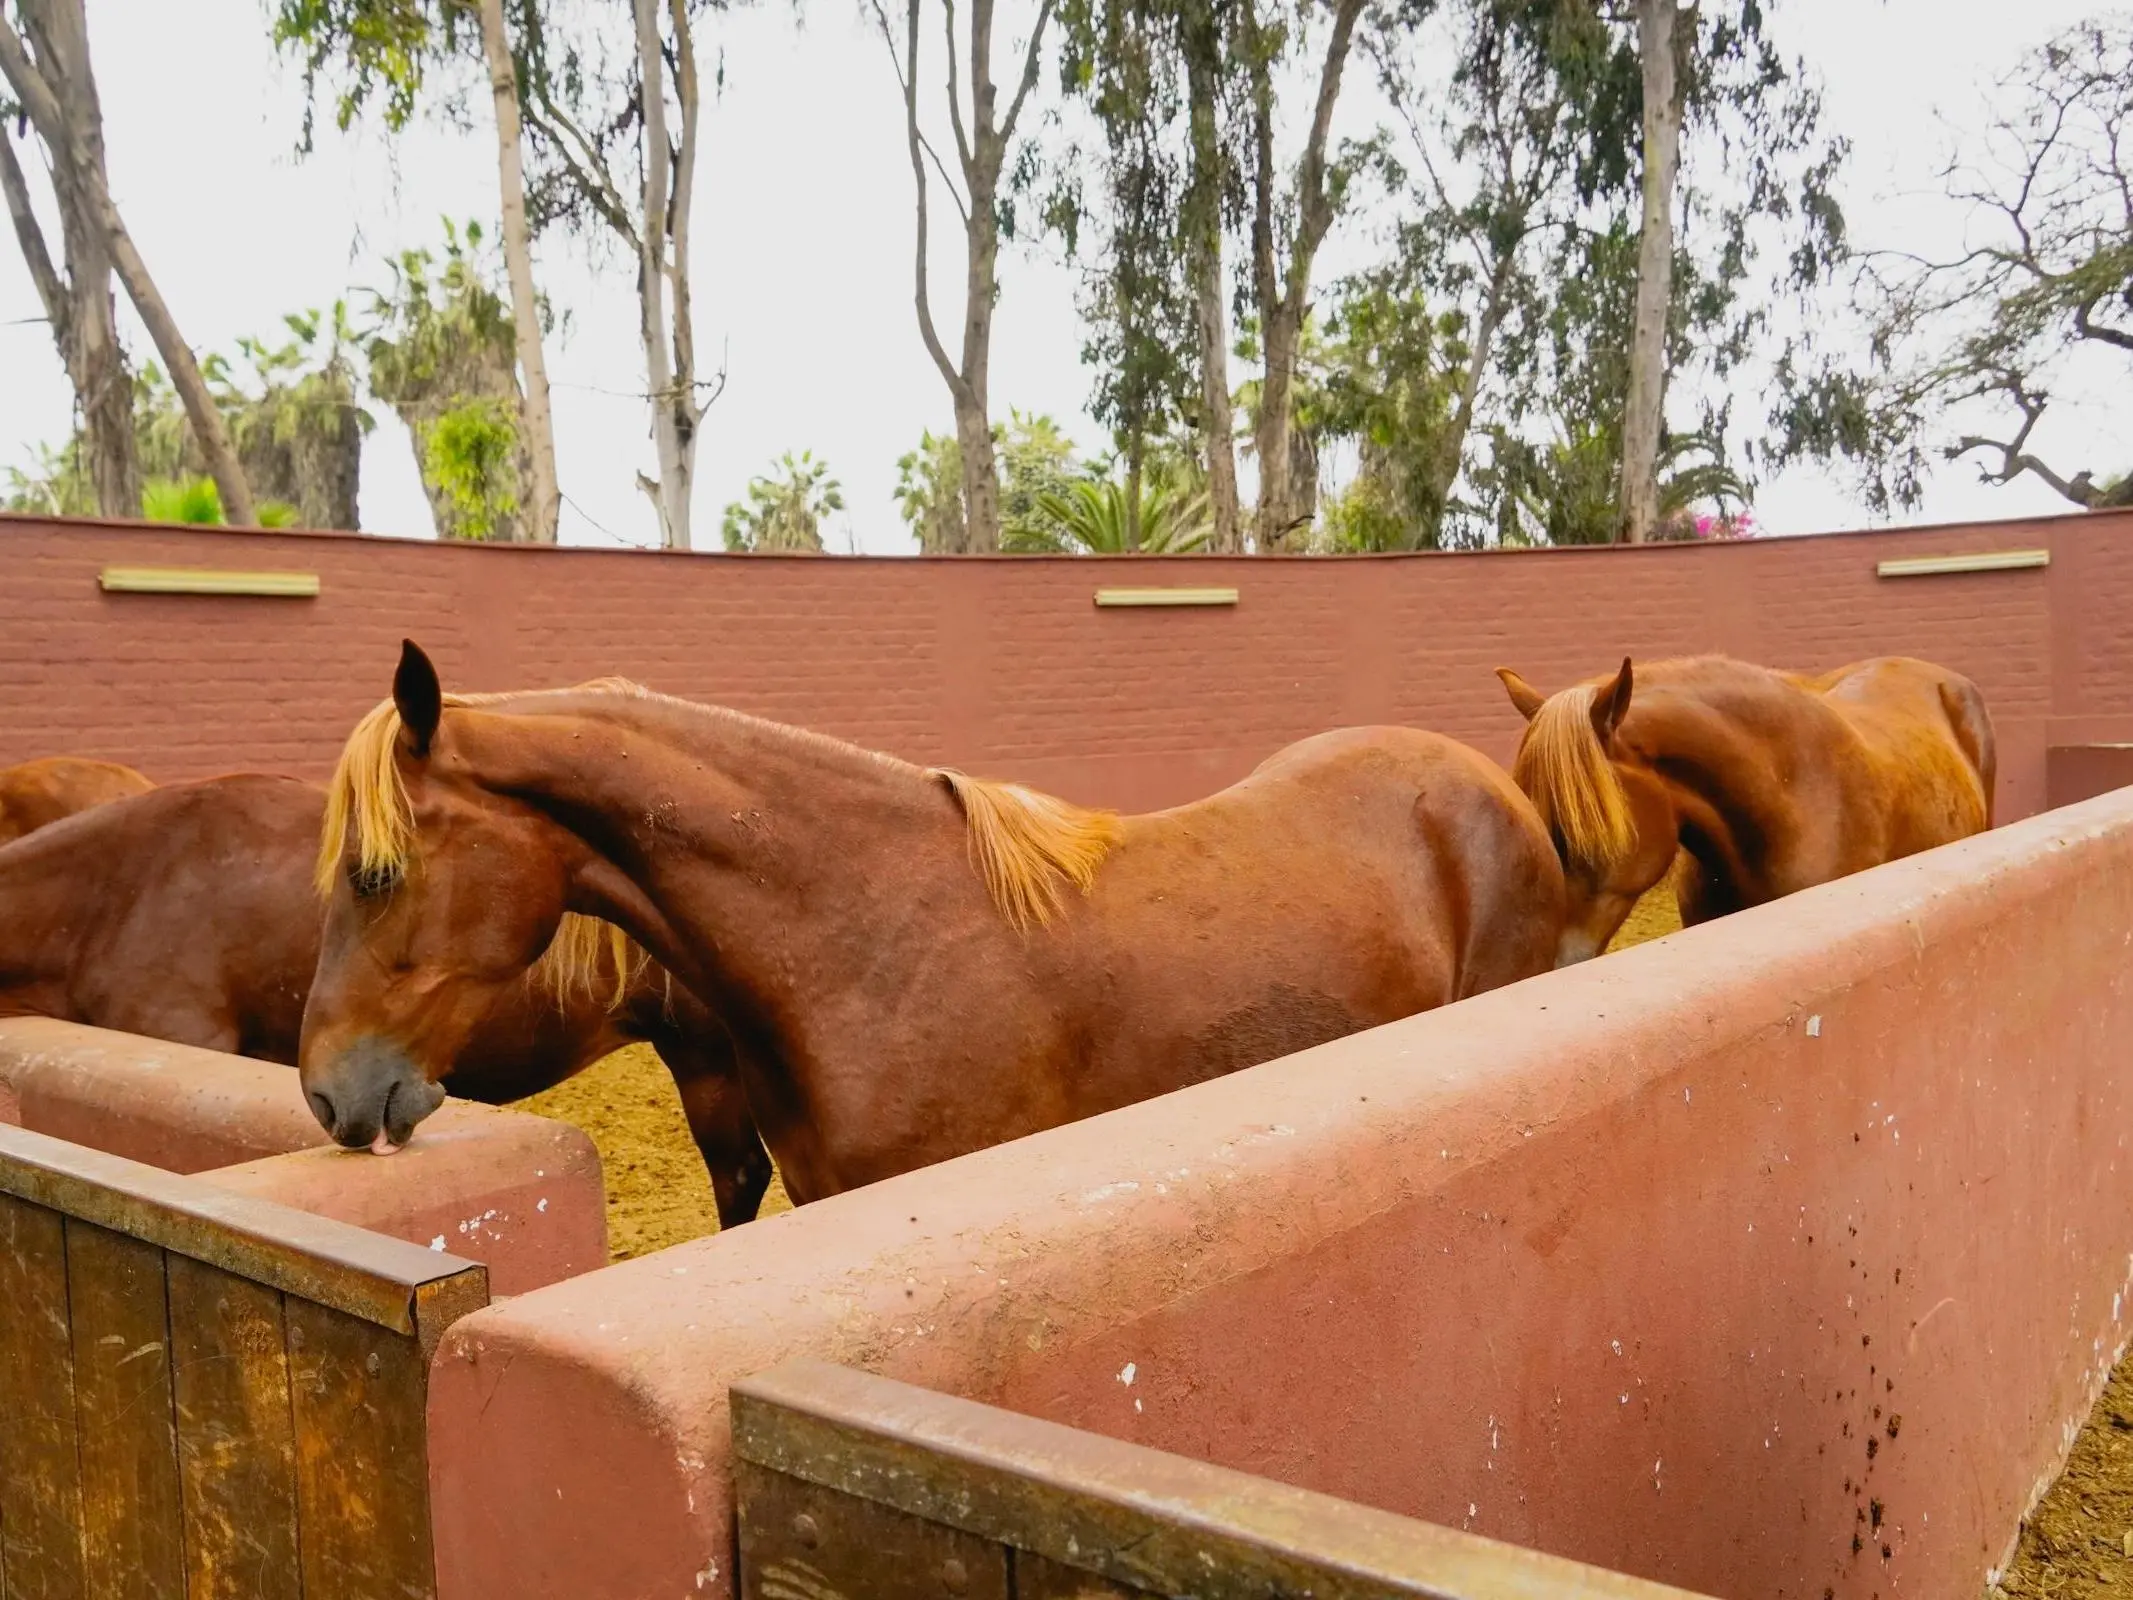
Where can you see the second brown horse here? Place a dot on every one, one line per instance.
(189, 913)
(1769, 781)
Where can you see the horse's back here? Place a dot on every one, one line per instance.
(1931, 735)
(1395, 838)
(37, 793)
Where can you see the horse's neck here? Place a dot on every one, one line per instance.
(760, 863)
(47, 897)
(1714, 759)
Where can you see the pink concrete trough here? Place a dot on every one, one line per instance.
(1778, 1258)
(520, 1193)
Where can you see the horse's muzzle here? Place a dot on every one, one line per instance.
(372, 1096)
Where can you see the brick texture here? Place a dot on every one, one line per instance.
(1005, 666)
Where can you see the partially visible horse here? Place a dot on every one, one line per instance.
(40, 792)
(1768, 781)
(190, 913)
(916, 963)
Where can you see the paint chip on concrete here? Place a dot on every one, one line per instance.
(437, 1243)
(1814, 1026)
(1126, 1375)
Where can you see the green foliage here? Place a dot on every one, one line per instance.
(371, 52)
(181, 500)
(1566, 490)
(442, 353)
(1101, 516)
(470, 456)
(1966, 352)
(292, 412)
(197, 500)
(1035, 459)
(784, 511)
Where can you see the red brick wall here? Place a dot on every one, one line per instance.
(1005, 665)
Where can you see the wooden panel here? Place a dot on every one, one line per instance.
(365, 1274)
(1138, 1518)
(1038, 1578)
(236, 1454)
(133, 1544)
(362, 1465)
(40, 1486)
(800, 1541)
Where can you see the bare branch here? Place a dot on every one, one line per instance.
(1032, 66)
(955, 95)
(51, 293)
(922, 297)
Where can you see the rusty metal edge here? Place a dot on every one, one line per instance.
(1134, 1515)
(315, 1258)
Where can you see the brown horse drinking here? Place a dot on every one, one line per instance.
(190, 913)
(915, 963)
(1769, 781)
(40, 792)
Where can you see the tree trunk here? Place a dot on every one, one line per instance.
(1444, 472)
(544, 499)
(669, 493)
(684, 412)
(1204, 220)
(1270, 432)
(981, 149)
(1644, 410)
(58, 95)
(1136, 456)
(1284, 301)
(79, 309)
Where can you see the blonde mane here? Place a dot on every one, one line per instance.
(1564, 770)
(1028, 846)
(366, 797)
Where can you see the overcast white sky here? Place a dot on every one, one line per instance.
(803, 249)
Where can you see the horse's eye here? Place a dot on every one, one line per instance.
(371, 882)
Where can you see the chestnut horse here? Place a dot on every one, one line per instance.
(915, 963)
(1769, 781)
(38, 792)
(190, 913)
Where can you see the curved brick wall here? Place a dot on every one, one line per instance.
(1005, 665)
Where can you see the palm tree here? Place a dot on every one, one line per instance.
(1094, 517)
(784, 512)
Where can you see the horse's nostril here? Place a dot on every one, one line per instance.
(321, 1108)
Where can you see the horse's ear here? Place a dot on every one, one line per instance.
(1524, 696)
(1610, 702)
(417, 695)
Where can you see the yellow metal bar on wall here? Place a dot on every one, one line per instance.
(1166, 597)
(206, 580)
(1983, 561)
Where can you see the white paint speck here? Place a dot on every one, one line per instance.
(1615, 1345)
(1125, 1375)
(437, 1243)
(1814, 1026)
(1625, 1399)
(1136, 1403)
(541, 1204)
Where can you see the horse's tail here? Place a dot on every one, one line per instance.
(1964, 705)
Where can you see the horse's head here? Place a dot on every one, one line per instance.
(440, 894)
(1607, 810)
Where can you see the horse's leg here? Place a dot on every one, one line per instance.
(708, 1078)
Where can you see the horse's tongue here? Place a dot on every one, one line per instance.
(383, 1145)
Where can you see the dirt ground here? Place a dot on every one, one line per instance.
(657, 1191)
